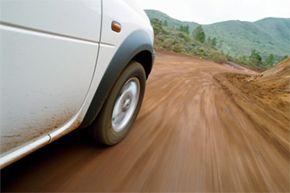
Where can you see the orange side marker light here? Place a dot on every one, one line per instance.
(116, 26)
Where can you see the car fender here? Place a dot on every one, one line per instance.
(137, 42)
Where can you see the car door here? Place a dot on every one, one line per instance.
(48, 52)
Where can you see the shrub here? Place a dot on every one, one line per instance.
(218, 57)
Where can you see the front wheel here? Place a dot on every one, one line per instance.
(121, 107)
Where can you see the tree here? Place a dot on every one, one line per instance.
(184, 28)
(284, 57)
(165, 23)
(255, 58)
(270, 60)
(198, 34)
(157, 26)
(211, 42)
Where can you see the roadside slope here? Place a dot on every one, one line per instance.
(265, 99)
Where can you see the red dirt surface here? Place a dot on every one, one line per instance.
(203, 127)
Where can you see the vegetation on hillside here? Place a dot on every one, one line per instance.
(253, 44)
(180, 40)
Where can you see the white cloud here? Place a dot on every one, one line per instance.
(210, 11)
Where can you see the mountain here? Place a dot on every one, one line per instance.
(238, 38)
(267, 36)
(169, 20)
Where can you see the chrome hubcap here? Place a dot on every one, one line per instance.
(125, 104)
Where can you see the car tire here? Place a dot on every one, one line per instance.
(121, 107)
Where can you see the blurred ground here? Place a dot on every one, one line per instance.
(202, 127)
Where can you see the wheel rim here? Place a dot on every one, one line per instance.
(125, 104)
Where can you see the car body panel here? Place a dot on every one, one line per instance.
(117, 64)
(131, 17)
(48, 58)
(133, 20)
(73, 18)
(42, 92)
(74, 62)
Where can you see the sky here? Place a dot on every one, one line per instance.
(211, 11)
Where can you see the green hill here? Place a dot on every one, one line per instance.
(267, 36)
(169, 20)
(238, 39)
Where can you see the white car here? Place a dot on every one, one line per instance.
(67, 64)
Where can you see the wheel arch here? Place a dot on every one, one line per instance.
(146, 60)
(138, 47)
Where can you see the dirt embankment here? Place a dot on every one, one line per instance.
(271, 88)
(265, 99)
(203, 127)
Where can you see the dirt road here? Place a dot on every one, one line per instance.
(192, 134)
